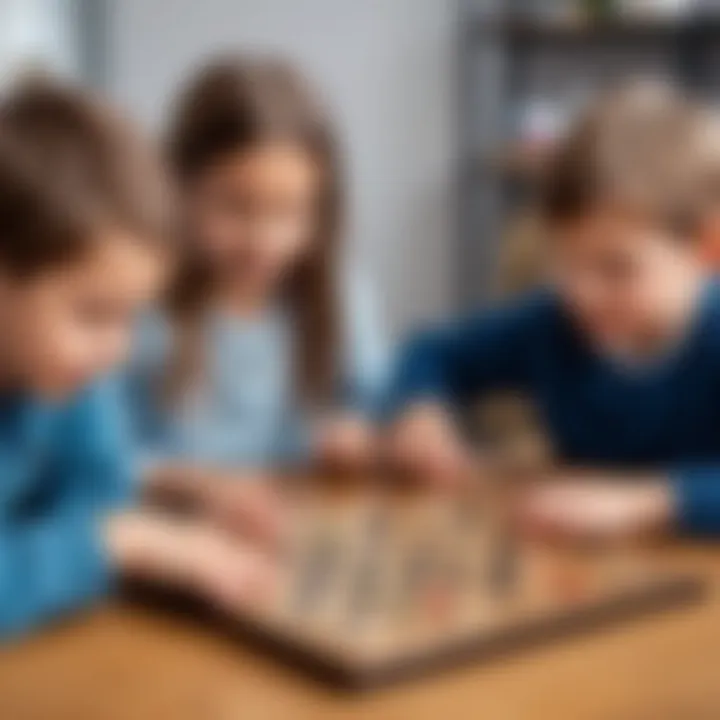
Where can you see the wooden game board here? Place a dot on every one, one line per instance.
(378, 589)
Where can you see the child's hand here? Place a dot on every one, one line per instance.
(191, 556)
(424, 443)
(594, 509)
(226, 572)
(245, 503)
(346, 443)
(249, 506)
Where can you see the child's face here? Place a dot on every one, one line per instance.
(254, 214)
(67, 325)
(624, 280)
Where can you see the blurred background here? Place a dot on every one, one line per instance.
(446, 106)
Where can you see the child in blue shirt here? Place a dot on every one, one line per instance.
(621, 353)
(262, 355)
(83, 217)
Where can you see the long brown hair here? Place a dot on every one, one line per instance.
(233, 104)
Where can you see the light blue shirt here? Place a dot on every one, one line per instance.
(241, 410)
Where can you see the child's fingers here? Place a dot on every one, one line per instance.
(553, 512)
(255, 510)
(232, 575)
(593, 511)
(447, 468)
(429, 455)
(350, 445)
(249, 583)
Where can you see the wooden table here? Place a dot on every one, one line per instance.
(125, 663)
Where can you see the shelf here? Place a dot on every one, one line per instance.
(508, 61)
(613, 30)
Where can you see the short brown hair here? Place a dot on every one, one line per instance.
(69, 168)
(645, 147)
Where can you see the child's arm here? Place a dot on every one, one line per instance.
(67, 549)
(162, 475)
(345, 438)
(441, 370)
(49, 567)
(599, 505)
(60, 563)
(455, 364)
(192, 556)
(52, 555)
(250, 504)
(695, 494)
(596, 506)
(366, 355)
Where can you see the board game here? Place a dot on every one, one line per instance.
(380, 581)
(378, 588)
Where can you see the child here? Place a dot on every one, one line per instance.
(83, 216)
(621, 353)
(254, 339)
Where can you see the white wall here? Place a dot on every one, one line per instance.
(37, 34)
(387, 68)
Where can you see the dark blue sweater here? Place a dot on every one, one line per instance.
(664, 416)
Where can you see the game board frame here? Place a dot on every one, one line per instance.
(662, 589)
(333, 670)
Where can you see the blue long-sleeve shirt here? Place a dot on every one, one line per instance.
(61, 470)
(240, 409)
(663, 415)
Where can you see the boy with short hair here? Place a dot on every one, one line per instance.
(85, 220)
(621, 354)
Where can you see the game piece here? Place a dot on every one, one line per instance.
(366, 583)
(502, 573)
(316, 574)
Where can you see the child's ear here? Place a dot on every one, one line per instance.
(709, 241)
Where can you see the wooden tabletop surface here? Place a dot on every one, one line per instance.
(127, 663)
